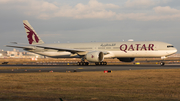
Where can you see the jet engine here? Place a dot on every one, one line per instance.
(95, 56)
(126, 59)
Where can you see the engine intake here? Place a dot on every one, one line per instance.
(95, 56)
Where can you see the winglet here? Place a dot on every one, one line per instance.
(32, 36)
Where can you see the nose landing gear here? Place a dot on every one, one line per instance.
(162, 63)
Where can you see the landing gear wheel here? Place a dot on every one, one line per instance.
(105, 63)
(86, 63)
(162, 63)
(100, 63)
(83, 63)
(96, 63)
(78, 63)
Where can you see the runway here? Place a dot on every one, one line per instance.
(70, 68)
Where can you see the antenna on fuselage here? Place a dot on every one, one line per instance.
(130, 40)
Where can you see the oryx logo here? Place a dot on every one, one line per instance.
(92, 56)
(31, 36)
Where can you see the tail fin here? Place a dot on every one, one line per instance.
(32, 36)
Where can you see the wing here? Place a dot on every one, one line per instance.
(46, 47)
(61, 49)
(73, 51)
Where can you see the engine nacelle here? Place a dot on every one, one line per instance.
(95, 56)
(126, 59)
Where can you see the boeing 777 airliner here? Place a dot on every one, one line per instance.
(97, 51)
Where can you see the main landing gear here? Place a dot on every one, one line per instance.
(87, 63)
(82, 63)
(100, 63)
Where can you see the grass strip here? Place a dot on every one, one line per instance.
(136, 85)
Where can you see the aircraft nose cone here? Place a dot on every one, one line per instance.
(175, 50)
(172, 51)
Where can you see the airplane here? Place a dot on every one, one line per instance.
(96, 52)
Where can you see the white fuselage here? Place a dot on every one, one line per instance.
(133, 49)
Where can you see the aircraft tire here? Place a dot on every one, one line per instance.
(83, 63)
(96, 63)
(78, 63)
(162, 63)
(86, 63)
(100, 63)
(105, 63)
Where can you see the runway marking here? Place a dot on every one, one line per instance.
(82, 68)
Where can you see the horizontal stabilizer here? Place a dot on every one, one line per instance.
(24, 47)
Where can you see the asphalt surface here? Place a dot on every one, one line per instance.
(71, 68)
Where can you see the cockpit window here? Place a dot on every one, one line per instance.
(169, 46)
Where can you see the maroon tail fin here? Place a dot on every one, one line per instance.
(32, 36)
